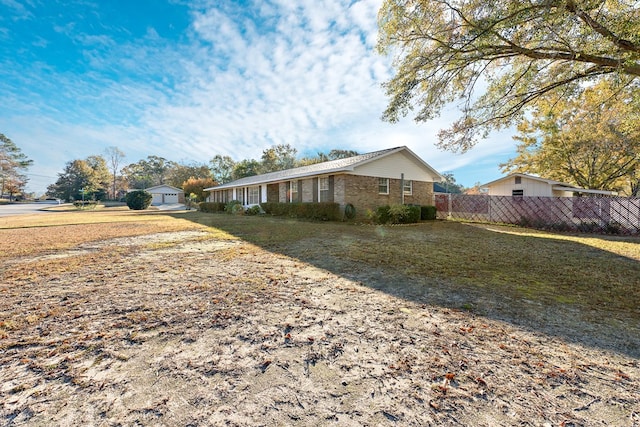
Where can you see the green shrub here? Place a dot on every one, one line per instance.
(211, 207)
(589, 227)
(412, 215)
(397, 214)
(323, 211)
(427, 213)
(138, 200)
(234, 207)
(276, 209)
(85, 204)
(253, 210)
(381, 215)
(613, 227)
(560, 226)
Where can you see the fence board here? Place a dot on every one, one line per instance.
(615, 215)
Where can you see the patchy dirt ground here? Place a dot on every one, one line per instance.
(184, 329)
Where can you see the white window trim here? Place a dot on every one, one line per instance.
(251, 196)
(408, 183)
(323, 180)
(387, 184)
(293, 184)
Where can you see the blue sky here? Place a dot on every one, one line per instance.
(189, 79)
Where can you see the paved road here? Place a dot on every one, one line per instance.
(25, 208)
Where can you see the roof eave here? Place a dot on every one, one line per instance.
(280, 179)
(585, 190)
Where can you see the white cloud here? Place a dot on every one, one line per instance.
(242, 79)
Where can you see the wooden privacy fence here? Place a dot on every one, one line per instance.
(614, 215)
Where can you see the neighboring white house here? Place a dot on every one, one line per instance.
(366, 181)
(165, 194)
(519, 184)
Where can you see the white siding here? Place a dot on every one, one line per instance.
(531, 187)
(393, 165)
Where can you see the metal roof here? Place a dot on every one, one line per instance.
(332, 166)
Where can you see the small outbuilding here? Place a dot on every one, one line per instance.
(519, 184)
(165, 194)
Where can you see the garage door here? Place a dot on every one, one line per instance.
(171, 198)
(157, 198)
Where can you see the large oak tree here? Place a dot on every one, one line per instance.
(82, 179)
(592, 141)
(503, 56)
(147, 173)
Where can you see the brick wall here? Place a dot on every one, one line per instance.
(422, 194)
(273, 194)
(362, 192)
(282, 192)
(339, 187)
(307, 190)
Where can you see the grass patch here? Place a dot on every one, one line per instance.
(592, 272)
(586, 271)
(42, 233)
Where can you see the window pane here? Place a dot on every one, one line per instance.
(408, 187)
(294, 191)
(254, 195)
(324, 184)
(383, 185)
(323, 187)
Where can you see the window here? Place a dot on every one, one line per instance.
(323, 189)
(408, 187)
(254, 195)
(383, 185)
(293, 192)
(518, 180)
(517, 193)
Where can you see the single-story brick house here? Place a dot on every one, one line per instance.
(367, 181)
(165, 194)
(519, 184)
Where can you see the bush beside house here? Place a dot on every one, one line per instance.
(138, 200)
(321, 211)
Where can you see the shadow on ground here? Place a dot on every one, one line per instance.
(565, 288)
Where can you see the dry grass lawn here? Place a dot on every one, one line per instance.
(111, 317)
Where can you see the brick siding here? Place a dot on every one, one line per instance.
(273, 193)
(360, 191)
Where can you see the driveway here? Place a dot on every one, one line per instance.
(170, 207)
(26, 208)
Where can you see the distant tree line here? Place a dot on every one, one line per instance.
(100, 177)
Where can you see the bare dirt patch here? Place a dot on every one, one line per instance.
(188, 328)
